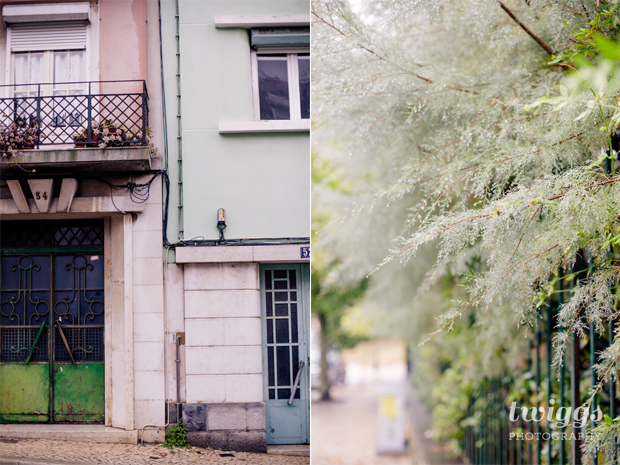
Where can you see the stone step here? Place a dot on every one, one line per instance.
(299, 450)
(80, 433)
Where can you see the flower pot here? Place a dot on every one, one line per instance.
(80, 144)
(95, 141)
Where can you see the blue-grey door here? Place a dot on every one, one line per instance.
(285, 302)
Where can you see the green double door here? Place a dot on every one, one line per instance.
(52, 322)
(285, 301)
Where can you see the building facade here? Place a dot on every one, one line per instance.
(81, 294)
(237, 285)
(154, 220)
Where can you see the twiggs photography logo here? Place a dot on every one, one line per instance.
(556, 418)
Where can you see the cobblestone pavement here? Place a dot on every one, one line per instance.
(344, 430)
(126, 454)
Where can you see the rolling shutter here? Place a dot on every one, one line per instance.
(58, 35)
(267, 37)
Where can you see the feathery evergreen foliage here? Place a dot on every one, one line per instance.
(486, 127)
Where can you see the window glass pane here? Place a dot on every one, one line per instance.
(21, 71)
(269, 331)
(75, 66)
(296, 367)
(36, 68)
(271, 367)
(282, 309)
(273, 89)
(75, 71)
(60, 67)
(294, 330)
(283, 358)
(68, 67)
(304, 87)
(282, 331)
(28, 70)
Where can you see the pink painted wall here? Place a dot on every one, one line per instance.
(122, 53)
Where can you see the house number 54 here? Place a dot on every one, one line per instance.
(38, 195)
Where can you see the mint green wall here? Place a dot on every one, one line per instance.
(262, 180)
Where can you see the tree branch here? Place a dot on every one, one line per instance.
(525, 28)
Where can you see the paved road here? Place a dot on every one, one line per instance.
(124, 454)
(344, 430)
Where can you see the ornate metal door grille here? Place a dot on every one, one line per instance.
(52, 316)
(282, 332)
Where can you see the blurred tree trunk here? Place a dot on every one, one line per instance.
(324, 366)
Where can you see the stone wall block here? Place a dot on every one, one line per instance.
(195, 417)
(256, 416)
(226, 417)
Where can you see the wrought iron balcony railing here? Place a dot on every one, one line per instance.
(80, 113)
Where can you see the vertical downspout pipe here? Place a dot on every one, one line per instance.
(178, 360)
(180, 227)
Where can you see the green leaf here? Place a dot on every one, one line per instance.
(608, 420)
(609, 50)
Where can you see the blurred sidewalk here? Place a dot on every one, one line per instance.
(344, 430)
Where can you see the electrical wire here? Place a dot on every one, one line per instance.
(138, 193)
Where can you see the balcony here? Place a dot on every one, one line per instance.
(88, 127)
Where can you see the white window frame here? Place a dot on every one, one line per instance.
(292, 57)
(9, 68)
(48, 74)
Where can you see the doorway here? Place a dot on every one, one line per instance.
(52, 322)
(285, 302)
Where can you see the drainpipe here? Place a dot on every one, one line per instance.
(179, 121)
(178, 361)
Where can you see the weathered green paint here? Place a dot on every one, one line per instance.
(24, 393)
(79, 393)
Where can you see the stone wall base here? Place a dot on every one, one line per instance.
(226, 426)
(241, 441)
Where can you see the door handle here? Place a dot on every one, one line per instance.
(36, 341)
(296, 385)
(64, 339)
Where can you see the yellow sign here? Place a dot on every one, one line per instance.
(388, 407)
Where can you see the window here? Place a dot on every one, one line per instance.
(60, 72)
(47, 57)
(281, 86)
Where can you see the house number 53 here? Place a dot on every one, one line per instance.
(38, 195)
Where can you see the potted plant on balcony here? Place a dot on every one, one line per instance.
(106, 133)
(135, 139)
(16, 137)
(79, 138)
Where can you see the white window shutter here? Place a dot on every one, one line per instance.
(58, 35)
